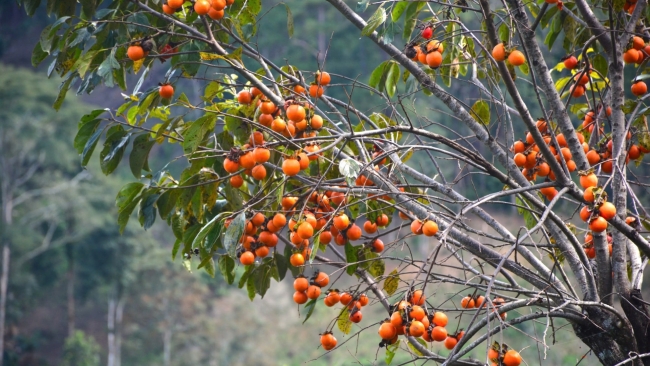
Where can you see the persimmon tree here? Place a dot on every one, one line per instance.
(281, 176)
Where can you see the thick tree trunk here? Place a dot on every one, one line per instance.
(609, 337)
(637, 311)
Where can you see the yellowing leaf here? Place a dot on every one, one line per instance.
(206, 56)
(343, 322)
(391, 283)
(137, 65)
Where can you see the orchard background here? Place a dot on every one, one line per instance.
(472, 171)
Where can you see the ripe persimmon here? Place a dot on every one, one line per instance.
(639, 88)
(322, 279)
(369, 227)
(520, 159)
(354, 232)
(588, 180)
(417, 298)
(511, 358)
(598, 225)
(315, 91)
(247, 161)
(416, 329)
(135, 53)
(346, 298)
(218, 4)
(328, 341)
(258, 172)
(467, 302)
(341, 222)
(300, 297)
(290, 167)
(434, 59)
(430, 228)
(202, 7)
(296, 113)
(440, 319)
(332, 298)
(322, 78)
(236, 181)
(499, 52)
(377, 246)
(267, 107)
(166, 91)
(578, 91)
(247, 258)
(416, 227)
(297, 260)
(589, 194)
(387, 331)
(516, 58)
(571, 62)
(262, 251)
(313, 292)
(439, 333)
(356, 316)
(450, 342)
(417, 312)
(215, 14)
(607, 210)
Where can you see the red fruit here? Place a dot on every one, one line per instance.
(427, 33)
(571, 62)
(166, 91)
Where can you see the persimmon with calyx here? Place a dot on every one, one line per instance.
(511, 358)
(218, 4)
(570, 62)
(166, 91)
(322, 78)
(493, 355)
(417, 298)
(369, 227)
(135, 53)
(168, 9)
(328, 341)
(585, 213)
(346, 298)
(589, 194)
(332, 298)
(356, 316)
(322, 279)
(261, 155)
(290, 167)
(434, 59)
(499, 52)
(631, 56)
(305, 230)
(382, 220)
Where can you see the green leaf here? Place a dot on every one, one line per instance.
(351, 258)
(227, 268)
(263, 277)
(392, 79)
(167, 201)
(378, 74)
(391, 283)
(175, 248)
(63, 90)
(377, 268)
(377, 19)
(140, 154)
(411, 18)
(600, 64)
(289, 21)
(398, 10)
(86, 130)
(205, 230)
(310, 306)
(481, 112)
(147, 213)
(281, 264)
(126, 195)
(343, 321)
(105, 70)
(421, 341)
(38, 55)
(504, 33)
(391, 349)
(125, 209)
(234, 233)
(195, 134)
(250, 287)
(529, 218)
(114, 146)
